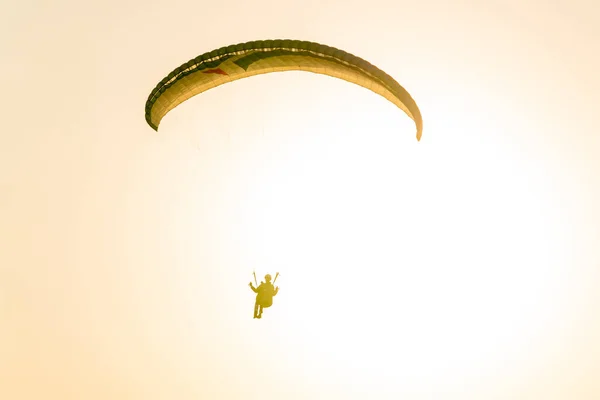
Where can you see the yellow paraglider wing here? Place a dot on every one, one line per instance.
(260, 57)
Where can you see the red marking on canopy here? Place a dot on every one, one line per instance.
(215, 71)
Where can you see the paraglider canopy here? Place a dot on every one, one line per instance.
(243, 60)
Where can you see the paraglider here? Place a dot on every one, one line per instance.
(264, 294)
(243, 60)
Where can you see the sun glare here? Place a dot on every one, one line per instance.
(400, 260)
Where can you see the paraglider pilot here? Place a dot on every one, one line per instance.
(264, 295)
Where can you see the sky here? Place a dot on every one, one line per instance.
(463, 266)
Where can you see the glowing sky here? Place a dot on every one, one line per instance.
(463, 266)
